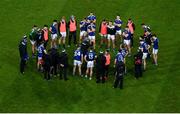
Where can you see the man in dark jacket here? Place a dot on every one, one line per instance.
(120, 69)
(63, 64)
(47, 65)
(23, 53)
(138, 64)
(100, 67)
(54, 60)
(84, 49)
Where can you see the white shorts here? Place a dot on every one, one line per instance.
(90, 64)
(39, 58)
(91, 38)
(111, 37)
(83, 33)
(144, 55)
(155, 51)
(127, 42)
(53, 36)
(119, 32)
(63, 34)
(32, 42)
(76, 62)
(103, 35)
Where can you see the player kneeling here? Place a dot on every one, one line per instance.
(78, 60)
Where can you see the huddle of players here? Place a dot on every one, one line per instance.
(149, 45)
(109, 32)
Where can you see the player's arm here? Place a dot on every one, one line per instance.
(81, 25)
(89, 29)
(94, 20)
(100, 28)
(45, 51)
(115, 62)
(95, 57)
(119, 25)
(50, 29)
(141, 49)
(85, 58)
(82, 58)
(126, 35)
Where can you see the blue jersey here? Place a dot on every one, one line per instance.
(124, 52)
(90, 56)
(129, 35)
(77, 55)
(144, 46)
(156, 43)
(119, 57)
(41, 50)
(90, 27)
(117, 21)
(53, 29)
(84, 26)
(91, 17)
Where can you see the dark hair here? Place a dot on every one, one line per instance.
(142, 24)
(120, 50)
(45, 25)
(154, 35)
(54, 20)
(107, 50)
(141, 36)
(91, 48)
(34, 25)
(129, 19)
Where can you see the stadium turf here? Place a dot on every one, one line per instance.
(157, 91)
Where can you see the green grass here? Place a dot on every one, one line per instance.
(157, 91)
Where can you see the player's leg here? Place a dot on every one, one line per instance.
(102, 38)
(94, 42)
(109, 41)
(74, 37)
(79, 67)
(155, 56)
(129, 47)
(87, 70)
(144, 60)
(55, 40)
(39, 63)
(33, 47)
(144, 64)
(91, 72)
(64, 42)
(81, 36)
(113, 41)
(74, 70)
(91, 69)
